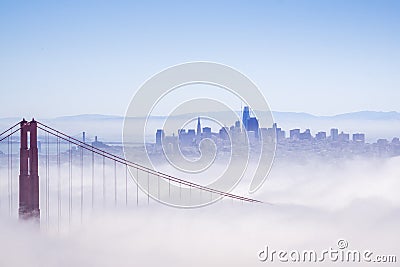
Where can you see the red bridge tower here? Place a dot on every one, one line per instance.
(29, 175)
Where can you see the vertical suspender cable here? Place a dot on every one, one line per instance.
(148, 188)
(0, 188)
(104, 181)
(126, 184)
(137, 187)
(45, 177)
(158, 187)
(69, 183)
(59, 184)
(180, 190)
(115, 183)
(11, 173)
(92, 179)
(8, 174)
(81, 184)
(47, 180)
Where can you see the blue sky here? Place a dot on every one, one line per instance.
(322, 57)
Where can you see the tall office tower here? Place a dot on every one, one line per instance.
(279, 134)
(334, 134)
(198, 127)
(159, 137)
(359, 138)
(343, 137)
(320, 136)
(206, 132)
(252, 126)
(246, 116)
(224, 133)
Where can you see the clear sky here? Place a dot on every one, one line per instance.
(322, 57)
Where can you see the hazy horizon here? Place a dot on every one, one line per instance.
(192, 113)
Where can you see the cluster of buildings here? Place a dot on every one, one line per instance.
(192, 137)
(296, 144)
(337, 145)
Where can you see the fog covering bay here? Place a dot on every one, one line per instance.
(306, 206)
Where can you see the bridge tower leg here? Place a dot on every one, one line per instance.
(29, 173)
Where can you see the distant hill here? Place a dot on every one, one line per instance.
(369, 115)
(90, 117)
(278, 115)
(360, 115)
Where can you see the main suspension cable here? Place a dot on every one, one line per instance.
(143, 168)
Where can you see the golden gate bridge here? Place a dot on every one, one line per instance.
(34, 199)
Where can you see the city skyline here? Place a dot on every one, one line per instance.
(375, 124)
(246, 132)
(336, 134)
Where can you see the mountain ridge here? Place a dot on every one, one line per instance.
(358, 115)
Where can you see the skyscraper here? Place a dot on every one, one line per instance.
(343, 137)
(198, 127)
(206, 132)
(320, 136)
(359, 138)
(159, 137)
(224, 133)
(252, 126)
(334, 134)
(246, 116)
